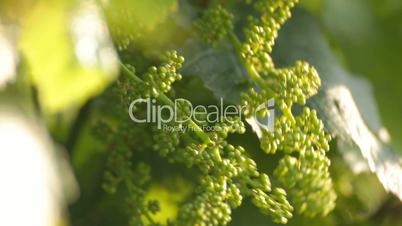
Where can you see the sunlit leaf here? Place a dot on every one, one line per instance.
(129, 20)
(170, 194)
(70, 58)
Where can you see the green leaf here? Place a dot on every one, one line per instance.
(367, 37)
(219, 69)
(144, 13)
(70, 58)
(132, 20)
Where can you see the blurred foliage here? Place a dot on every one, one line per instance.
(170, 194)
(366, 35)
(46, 43)
(138, 20)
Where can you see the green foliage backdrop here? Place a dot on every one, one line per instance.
(332, 68)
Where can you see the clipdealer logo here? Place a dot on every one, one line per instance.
(164, 115)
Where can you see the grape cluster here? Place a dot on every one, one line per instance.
(155, 81)
(253, 103)
(306, 131)
(120, 170)
(215, 24)
(125, 90)
(165, 142)
(159, 79)
(306, 174)
(307, 177)
(293, 85)
(274, 205)
(261, 33)
(226, 173)
(257, 46)
(210, 205)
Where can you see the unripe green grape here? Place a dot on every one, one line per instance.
(215, 24)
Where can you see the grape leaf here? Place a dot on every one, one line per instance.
(137, 20)
(218, 68)
(370, 45)
(70, 58)
(144, 13)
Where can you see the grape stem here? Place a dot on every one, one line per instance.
(250, 68)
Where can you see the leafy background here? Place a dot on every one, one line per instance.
(356, 43)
